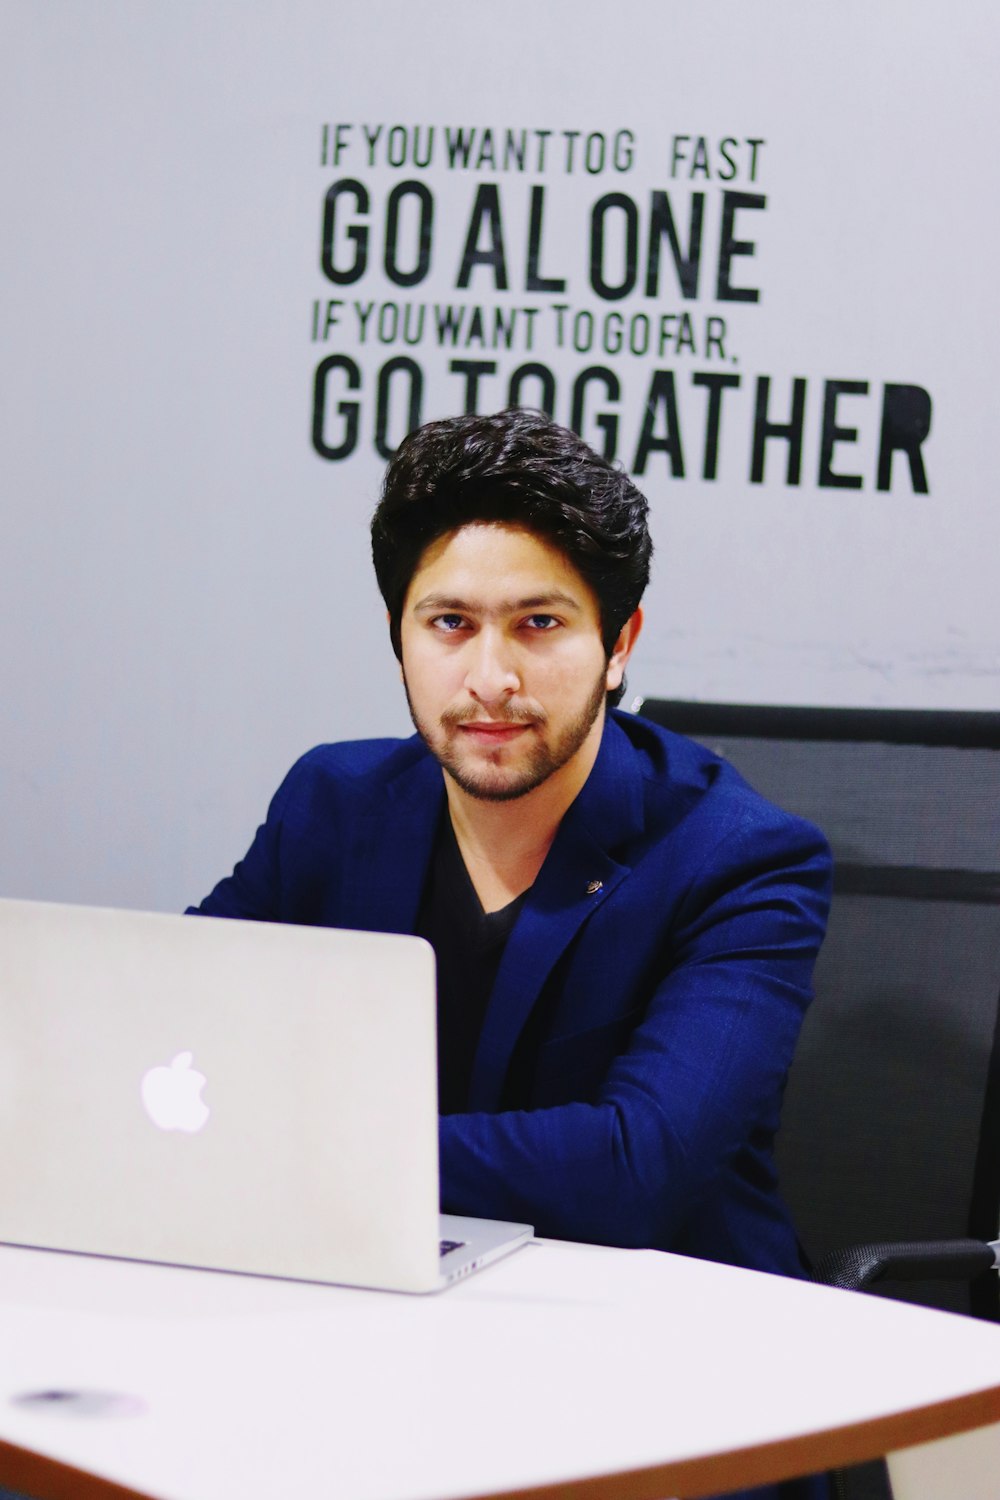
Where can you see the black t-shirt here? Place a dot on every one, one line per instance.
(469, 945)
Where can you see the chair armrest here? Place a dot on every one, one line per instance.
(861, 1266)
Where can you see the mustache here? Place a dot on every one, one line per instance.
(508, 713)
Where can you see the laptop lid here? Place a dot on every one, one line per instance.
(245, 1096)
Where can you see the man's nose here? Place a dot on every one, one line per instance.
(492, 674)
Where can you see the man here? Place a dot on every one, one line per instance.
(625, 932)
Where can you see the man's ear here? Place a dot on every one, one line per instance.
(623, 648)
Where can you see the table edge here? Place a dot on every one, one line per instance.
(47, 1478)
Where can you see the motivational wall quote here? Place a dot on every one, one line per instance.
(468, 268)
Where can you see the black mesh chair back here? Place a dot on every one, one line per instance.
(891, 1125)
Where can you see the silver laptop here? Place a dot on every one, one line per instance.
(240, 1096)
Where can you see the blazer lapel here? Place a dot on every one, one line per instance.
(579, 873)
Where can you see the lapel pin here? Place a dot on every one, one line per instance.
(593, 886)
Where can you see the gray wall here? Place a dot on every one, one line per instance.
(184, 581)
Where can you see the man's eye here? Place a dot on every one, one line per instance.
(541, 622)
(447, 623)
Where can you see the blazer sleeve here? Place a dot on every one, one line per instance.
(703, 1071)
(254, 890)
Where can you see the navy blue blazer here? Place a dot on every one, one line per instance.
(655, 983)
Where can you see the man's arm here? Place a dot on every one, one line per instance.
(253, 891)
(703, 1071)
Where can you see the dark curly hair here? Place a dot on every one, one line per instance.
(520, 467)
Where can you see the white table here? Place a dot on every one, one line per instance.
(624, 1373)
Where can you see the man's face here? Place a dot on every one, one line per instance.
(503, 660)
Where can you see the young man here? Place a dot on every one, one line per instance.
(625, 932)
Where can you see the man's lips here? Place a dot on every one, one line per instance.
(492, 733)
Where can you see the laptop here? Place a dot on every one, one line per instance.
(238, 1096)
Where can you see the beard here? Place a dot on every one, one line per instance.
(495, 782)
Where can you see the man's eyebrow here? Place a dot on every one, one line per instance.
(458, 606)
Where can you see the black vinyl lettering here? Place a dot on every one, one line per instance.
(425, 233)
(423, 159)
(790, 431)
(343, 276)
(832, 434)
(348, 410)
(547, 384)
(727, 158)
(731, 247)
(662, 396)
(458, 144)
(473, 370)
(715, 384)
(515, 150)
(485, 211)
(906, 422)
(597, 227)
(534, 281)
(686, 263)
(607, 421)
(402, 364)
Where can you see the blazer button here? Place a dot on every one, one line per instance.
(593, 886)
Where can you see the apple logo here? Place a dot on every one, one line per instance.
(172, 1095)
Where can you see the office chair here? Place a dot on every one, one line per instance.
(889, 1151)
